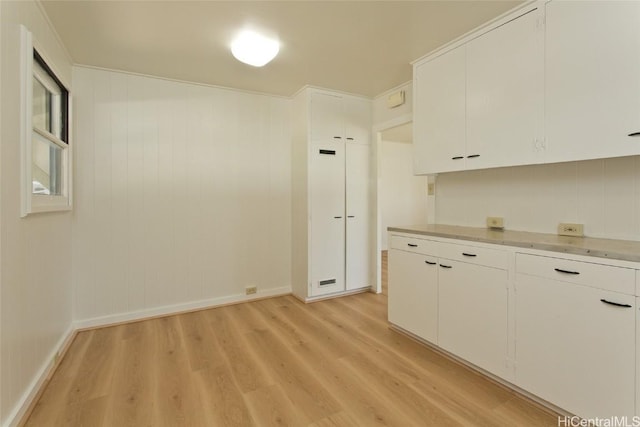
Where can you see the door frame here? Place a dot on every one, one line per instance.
(377, 130)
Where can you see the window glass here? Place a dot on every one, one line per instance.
(41, 106)
(46, 166)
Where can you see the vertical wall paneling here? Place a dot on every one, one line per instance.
(184, 194)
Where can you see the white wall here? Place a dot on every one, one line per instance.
(604, 195)
(35, 267)
(403, 196)
(183, 194)
(384, 117)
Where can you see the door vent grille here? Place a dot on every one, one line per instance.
(327, 282)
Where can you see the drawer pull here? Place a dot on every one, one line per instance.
(337, 137)
(615, 303)
(445, 266)
(466, 254)
(559, 270)
(412, 245)
(634, 134)
(431, 263)
(457, 158)
(473, 156)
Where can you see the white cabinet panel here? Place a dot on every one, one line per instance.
(357, 201)
(505, 89)
(327, 181)
(575, 350)
(439, 114)
(413, 293)
(472, 314)
(357, 120)
(592, 71)
(327, 122)
(412, 244)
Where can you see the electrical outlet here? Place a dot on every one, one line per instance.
(495, 222)
(249, 290)
(431, 189)
(569, 229)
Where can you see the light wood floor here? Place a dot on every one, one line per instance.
(273, 362)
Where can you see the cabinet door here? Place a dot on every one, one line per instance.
(327, 218)
(357, 120)
(357, 199)
(327, 120)
(439, 114)
(472, 314)
(505, 88)
(592, 71)
(573, 349)
(413, 293)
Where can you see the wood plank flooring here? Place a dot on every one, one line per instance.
(274, 362)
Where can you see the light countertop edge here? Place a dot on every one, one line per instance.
(622, 250)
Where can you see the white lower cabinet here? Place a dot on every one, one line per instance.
(472, 314)
(413, 298)
(564, 328)
(575, 345)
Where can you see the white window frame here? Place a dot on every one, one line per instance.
(35, 203)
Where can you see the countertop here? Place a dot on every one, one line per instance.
(623, 250)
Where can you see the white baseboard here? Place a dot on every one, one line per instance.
(176, 308)
(21, 408)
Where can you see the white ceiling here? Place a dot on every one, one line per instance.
(362, 47)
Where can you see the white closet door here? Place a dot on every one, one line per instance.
(327, 175)
(358, 236)
(327, 121)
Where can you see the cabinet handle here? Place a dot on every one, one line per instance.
(445, 266)
(350, 216)
(430, 263)
(412, 245)
(559, 270)
(634, 134)
(615, 303)
(337, 137)
(471, 156)
(457, 158)
(349, 139)
(337, 217)
(466, 254)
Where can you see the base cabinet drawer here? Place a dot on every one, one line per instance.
(575, 346)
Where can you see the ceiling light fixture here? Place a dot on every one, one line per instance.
(254, 49)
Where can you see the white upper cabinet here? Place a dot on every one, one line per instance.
(357, 119)
(327, 121)
(439, 114)
(592, 70)
(480, 105)
(505, 88)
(340, 118)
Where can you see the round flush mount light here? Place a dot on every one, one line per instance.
(254, 49)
